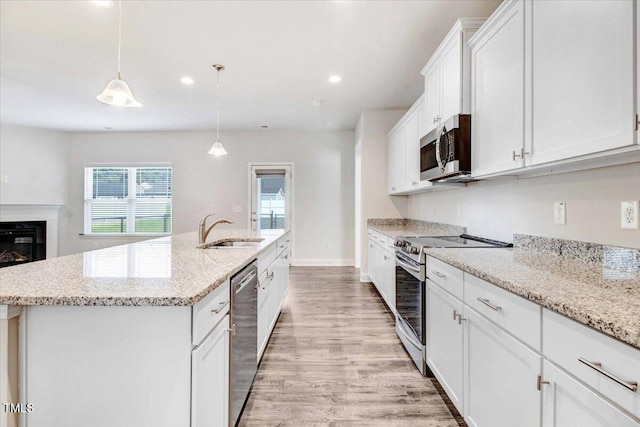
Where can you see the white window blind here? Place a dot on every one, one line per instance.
(127, 200)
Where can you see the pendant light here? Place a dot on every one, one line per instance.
(117, 91)
(217, 149)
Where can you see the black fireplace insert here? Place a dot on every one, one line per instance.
(22, 242)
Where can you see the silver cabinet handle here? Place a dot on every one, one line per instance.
(458, 316)
(440, 275)
(414, 182)
(539, 382)
(393, 188)
(270, 275)
(219, 309)
(232, 329)
(521, 155)
(488, 304)
(597, 366)
(286, 257)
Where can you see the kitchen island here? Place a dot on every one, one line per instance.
(111, 337)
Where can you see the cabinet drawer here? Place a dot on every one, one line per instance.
(380, 238)
(267, 257)
(567, 342)
(283, 245)
(209, 311)
(515, 314)
(445, 275)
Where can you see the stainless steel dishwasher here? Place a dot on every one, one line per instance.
(244, 340)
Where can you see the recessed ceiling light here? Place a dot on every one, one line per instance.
(186, 80)
(103, 3)
(108, 128)
(335, 79)
(318, 102)
(262, 126)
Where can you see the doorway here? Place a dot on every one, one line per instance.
(271, 197)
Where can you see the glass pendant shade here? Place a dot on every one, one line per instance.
(217, 149)
(118, 94)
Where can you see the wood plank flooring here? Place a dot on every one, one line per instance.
(334, 360)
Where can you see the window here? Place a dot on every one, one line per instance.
(127, 200)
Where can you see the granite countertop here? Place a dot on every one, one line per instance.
(168, 271)
(413, 228)
(604, 295)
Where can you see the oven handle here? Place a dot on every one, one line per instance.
(407, 266)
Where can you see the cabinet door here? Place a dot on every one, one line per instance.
(432, 96)
(396, 161)
(371, 260)
(583, 78)
(210, 379)
(445, 341)
(263, 312)
(451, 79)
(500, 377)
(412, 152)
(568, 403)
(390, 279)
(422, 119)
(497, 93)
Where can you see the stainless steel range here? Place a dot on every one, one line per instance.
(411, 287)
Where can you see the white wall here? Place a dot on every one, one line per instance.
(34, 163)
(371, 182)
(323, 180)
(499, 208)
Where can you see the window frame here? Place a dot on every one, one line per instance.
(130, 200)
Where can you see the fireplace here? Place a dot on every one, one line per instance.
(22, 242)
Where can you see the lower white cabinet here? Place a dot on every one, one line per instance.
(382, 272)
(445, 341)
(272, 289)
(568, 403)
(210, 379)
(500, 377)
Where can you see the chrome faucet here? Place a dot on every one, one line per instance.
(202, 233)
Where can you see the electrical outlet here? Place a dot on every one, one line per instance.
(559, 214)
(329, 245)
(629, 215)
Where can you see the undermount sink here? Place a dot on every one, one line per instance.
(232, 244)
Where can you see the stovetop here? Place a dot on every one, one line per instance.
(413, 246)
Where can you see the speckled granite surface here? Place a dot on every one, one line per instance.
(394, 227)
(602, 294)
(168, 271)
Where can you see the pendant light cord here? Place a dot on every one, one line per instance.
(119, 35)
(218, 107)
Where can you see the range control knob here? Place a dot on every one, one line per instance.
(414, 250)
(397, 243)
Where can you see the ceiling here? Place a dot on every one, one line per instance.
(56, 56)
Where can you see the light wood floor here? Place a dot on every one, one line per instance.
(334, 360)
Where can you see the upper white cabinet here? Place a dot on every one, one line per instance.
(583, 76)
(403, 144)
(446, 75)
(554, 84)
(497, 123)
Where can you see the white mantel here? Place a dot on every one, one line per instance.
(36, 212)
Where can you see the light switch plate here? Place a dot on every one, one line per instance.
(629, 215)
(559, 213)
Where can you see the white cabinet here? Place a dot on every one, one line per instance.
(500, 377)
(422, 117)
(445, 341)
(432, 96)
(382, 268)
(446, 75)
(210, 379)
(554, 87)
(497, 121)
(273, 284)
(583, 77)
(412, 151)
(568, 403)
(397, 161)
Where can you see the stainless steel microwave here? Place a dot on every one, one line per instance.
(445, 152)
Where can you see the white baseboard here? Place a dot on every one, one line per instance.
(364, 277)
(322, 262)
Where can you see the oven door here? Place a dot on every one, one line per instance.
(410, 297)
